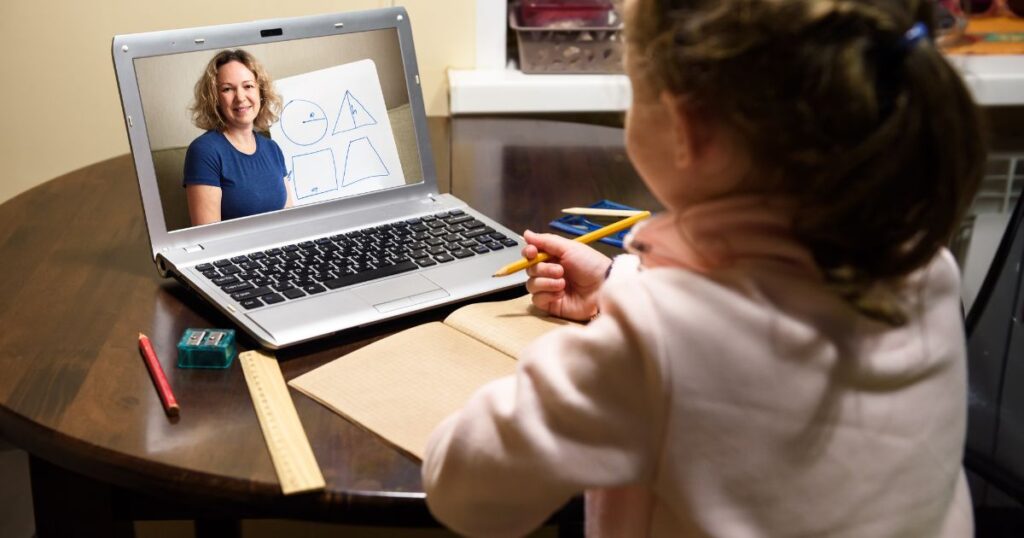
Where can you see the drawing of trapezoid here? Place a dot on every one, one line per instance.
(362, 162)
(352, 115)
(314, 173)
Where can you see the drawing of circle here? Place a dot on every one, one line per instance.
(303, 122)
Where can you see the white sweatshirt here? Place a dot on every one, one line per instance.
(738, 399)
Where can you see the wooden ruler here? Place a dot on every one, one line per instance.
(293, 458)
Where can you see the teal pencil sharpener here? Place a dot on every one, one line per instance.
(207, 348)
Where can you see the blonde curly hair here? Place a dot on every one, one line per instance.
(205, 113)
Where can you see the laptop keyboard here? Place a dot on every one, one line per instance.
(294, 271)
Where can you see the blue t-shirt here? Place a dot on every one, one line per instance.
(249, 184)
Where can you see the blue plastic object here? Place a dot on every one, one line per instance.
(581, 224)
(207, 348)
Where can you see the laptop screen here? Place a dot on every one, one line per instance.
(338, 123)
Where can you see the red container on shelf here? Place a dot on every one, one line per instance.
(565, 44)
(565, 13)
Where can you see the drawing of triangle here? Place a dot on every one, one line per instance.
(352, 115)
(362, 162)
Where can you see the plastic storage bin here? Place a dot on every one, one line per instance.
(567, 47)
(565, 14)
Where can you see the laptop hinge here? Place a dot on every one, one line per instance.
(432, 197)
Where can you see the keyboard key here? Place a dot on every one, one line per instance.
(480, 249)
(225, 280)
(463, 253)
(240, 286)
(425, 262)
(211, 273)
(509, 242)
(443, 258)
(272, 298)
(250, 293)
(371, 274)
(239, 259)
(294, 293)
(203, 267)
(249, 304)
(460, 219)
(222, 263)
(314, 288)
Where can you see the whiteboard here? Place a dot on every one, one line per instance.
(335, 133)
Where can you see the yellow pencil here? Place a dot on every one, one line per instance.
(601, 212)
(585, 238)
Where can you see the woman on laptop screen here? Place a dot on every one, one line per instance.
(232, 170)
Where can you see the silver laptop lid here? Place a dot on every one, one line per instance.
(352, 127)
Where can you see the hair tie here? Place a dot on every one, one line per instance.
(916, 33)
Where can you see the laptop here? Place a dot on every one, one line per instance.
(366, 235)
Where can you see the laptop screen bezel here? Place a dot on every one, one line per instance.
(127, 48)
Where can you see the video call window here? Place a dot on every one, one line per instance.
(344, 125)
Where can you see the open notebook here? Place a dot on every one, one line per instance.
(403, 386)
(367, 237)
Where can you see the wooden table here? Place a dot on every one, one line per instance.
(75, 393)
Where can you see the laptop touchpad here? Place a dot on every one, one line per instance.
(400, 292)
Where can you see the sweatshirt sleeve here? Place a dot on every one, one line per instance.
(582, 411)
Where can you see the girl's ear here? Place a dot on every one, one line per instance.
(690, 131)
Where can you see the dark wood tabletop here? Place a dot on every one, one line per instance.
(80, 285)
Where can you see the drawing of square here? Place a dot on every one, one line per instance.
(314, 173)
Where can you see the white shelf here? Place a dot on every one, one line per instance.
(507, 90)
(994, 80)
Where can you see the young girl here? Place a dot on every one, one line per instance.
(787, 356)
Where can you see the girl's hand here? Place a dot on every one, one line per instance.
(566, 284)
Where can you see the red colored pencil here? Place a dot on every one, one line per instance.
(163, 388)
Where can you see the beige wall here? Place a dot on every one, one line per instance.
(62, 110)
